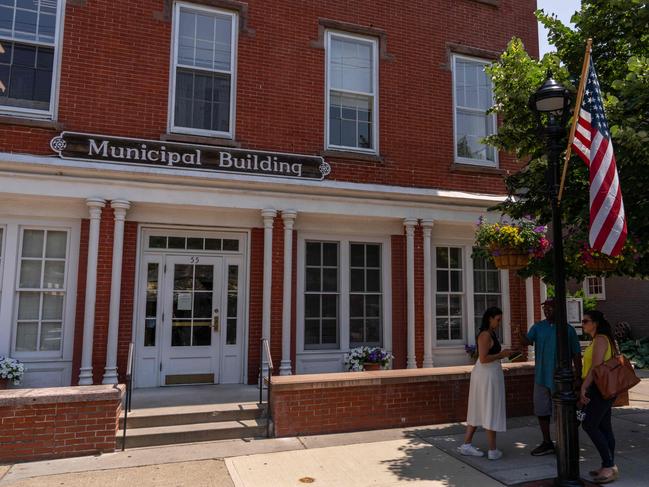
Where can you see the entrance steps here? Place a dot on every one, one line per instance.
(189, 424)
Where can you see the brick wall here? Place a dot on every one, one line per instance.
(256, 287)
(399, 287)
(120, 86)
(40, 424)
(335, 403)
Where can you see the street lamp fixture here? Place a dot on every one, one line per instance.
(551, 107)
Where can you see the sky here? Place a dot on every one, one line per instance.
(563, 9)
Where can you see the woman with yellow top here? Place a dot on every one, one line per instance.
(597, 420)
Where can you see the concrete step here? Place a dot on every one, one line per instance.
(181, 415)
(191, 433)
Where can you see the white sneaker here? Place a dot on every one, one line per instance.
(469, 450)
(494, 454)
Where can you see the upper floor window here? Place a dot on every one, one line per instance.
(473, 97)
(203, 75)
(28, 56)
(351, 96)
(594, 287)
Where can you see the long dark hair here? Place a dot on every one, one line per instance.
(603, 326)
(486, 317)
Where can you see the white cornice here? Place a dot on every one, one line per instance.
(25, 163)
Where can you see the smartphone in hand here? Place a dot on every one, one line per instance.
(515, 356)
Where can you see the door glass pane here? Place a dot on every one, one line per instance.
(30, 273)
(151, 312)
(204, 277)
(203, 305)
(202, 333)
(26, 337)
(33, 243)
(56, 245)
(183, 276)
(181, 333)
(195, 243)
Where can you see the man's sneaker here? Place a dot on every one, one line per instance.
(494, 454)
(543, 449)
(469, 450)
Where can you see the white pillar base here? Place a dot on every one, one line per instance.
(110, 376)
(285, 367)
(412, 363)
(85, 377)
(428, 362)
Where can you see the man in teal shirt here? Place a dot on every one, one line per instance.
(543, 335)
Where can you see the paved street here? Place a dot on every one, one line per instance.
(423, 456)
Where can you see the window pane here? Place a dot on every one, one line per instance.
(52, 306)
(33, 243)
(329, 306)
(183, 274)
(176, 242)
(373, 305)
(330, 279)
(357, 255)
(27, 74)
(456, 305)
(471, 129)
(357, 280)
(350, 123)
(30, 273)
(231, 332)
(356, 331)
(232, 305)
(356, 305)
(351, 65)
(28, 305)
(442, 257)
(442, 329)
(203, 305)
(181, 334)
(493, 281)
(456, 281)
(441, 305)
(157, 242)
(329, 332)
(330, 254)
(312, 306)
(202, 333)
(56, 245)
(54, 274)
(373, 253)
(231, 245)
(311, 332)
(212, 244)
(373, 283)
(233, 278)
(442, 281)
(313, 279)
(456, 329)
(313, 253)
(204, 278)
(456, 258)
(50, 336)
(26, 337)
(149, 332)
(195, 243)
(373, 331)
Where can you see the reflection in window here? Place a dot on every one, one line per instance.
(151, 312)
(365, 295)
(41, 290)
(449, 294)
(28, 36)
(351, 92)
(231, 315)
(473, 97)
(321, 295)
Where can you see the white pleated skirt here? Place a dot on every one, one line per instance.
(487, 397)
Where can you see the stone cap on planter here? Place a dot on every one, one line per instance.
(52, 395)
(381, 377)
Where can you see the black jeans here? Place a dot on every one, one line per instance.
(597, 424)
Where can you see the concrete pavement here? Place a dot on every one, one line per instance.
(414, 456)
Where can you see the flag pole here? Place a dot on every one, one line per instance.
(575, 117)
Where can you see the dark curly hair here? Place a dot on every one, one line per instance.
(486, 317)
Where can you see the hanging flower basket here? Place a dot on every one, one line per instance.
(600, 264)
(510, 259)
(510, 245)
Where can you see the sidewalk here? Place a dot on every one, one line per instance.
(423, 456)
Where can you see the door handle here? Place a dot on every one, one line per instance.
(216, 322)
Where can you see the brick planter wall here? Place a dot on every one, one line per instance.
(335, 403)
(38, 424)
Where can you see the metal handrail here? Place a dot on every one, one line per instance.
(129, 391)
(264, 351)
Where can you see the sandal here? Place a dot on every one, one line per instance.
(594, 473)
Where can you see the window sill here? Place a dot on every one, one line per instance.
(30, 122)
(461, 167)
(494, 3)
(199, 139)
(358, 156)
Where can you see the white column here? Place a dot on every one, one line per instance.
(94, 206)
(529, 306)
(428, 296)
(268, 215)
(289, 218)
(110, 374)
(410, 223)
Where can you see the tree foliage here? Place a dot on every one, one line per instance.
(621, 56)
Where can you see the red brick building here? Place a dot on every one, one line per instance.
(194, 175)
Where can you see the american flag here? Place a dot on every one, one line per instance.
(593, 143)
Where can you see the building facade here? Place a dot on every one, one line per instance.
(191, 176)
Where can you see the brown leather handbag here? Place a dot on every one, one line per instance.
(614, 376)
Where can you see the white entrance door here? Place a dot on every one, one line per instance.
(191, 321)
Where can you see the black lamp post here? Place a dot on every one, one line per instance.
(551, 105)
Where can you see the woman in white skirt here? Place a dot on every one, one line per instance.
(487, 389)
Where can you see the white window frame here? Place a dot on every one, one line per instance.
(3, 239)
(375, 95)
(344, 242)
(51, 113)
(586, 285)
(466, 160)
(66, 285)
(172, 127)
(468, 318)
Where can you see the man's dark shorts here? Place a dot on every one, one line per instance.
(542, 400)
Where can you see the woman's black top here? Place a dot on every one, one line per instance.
(495, 348)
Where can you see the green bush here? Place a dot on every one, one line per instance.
(637, 351)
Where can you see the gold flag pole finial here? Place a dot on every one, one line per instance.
(575, 116)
